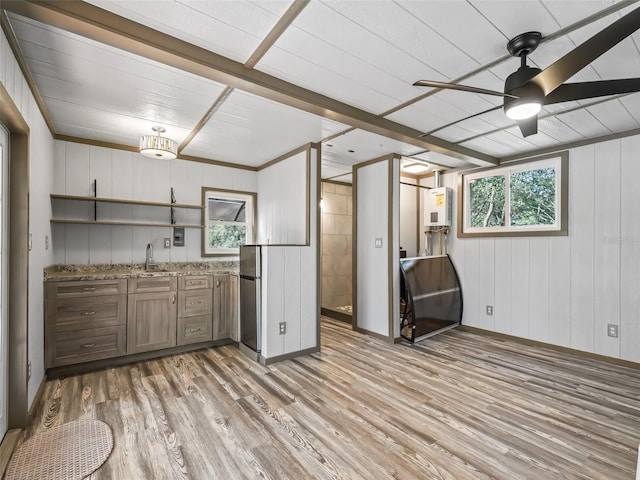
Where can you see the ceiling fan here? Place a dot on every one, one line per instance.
(529, 88)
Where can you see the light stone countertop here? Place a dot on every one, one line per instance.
(62, 273)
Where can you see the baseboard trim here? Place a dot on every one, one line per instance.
(7, 447)
(288, 356)
(379, 336)
(551, 346)
(36, 400)
(341, 316)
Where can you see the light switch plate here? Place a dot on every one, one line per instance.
(378, 242)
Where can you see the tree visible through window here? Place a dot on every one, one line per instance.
(524, 197)
(228, 220)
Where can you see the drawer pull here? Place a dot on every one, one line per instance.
(196, 303)
(194, 282)
(194, 330)
(88, 313)
(88, 345)
(89, 289)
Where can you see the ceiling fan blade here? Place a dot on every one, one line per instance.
(431, 132)
(583, 90)
(463, 88)
(529, 126)
(581, 56)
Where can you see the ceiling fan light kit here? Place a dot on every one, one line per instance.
(529, 88)
(157, 146)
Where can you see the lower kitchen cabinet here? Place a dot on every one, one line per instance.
(224, 306)
(94, 320)
(194, 310)
(79, 346)
(151, 317)
(85, 321)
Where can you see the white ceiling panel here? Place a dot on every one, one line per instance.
(365, 53)
(359, 146)
(251, 130)
(568, 12)
(513, 18)
(308, 56)
(232, 28)
(462, 25)
(404, 43)
(87, 75)
(437, 159)
(104, 126)
(614, 115)
(584, 123)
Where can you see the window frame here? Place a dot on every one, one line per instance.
(250, 218)
(560, 228)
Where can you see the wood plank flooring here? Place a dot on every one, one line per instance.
(456, 406)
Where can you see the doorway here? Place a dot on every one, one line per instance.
(337, 206)
(4, 370)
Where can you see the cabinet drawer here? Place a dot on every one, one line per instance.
(86, 288)
(66, 314)
(195, 282)
(192, 303)
(152, 285)
(85, 345)
(194, 329)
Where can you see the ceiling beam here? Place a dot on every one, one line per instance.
(102, 26)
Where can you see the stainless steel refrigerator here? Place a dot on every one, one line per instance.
(250, 304)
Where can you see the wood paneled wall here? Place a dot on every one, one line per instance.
(40, 186)
(282, 195)
(565, 290)
(376, 290)
(290, 275)
(129, 175)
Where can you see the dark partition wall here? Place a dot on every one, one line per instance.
(432, 298)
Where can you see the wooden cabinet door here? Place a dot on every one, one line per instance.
(151, 321)
(221, 307)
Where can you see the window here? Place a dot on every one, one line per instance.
(228, 221)
(520, 199)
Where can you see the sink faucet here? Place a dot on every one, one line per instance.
(149, 262)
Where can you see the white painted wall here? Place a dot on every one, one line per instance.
(290, 278)
(129, 175)
(283, 201)
(372, 264)
(41, 183)
(409, 216)
(565, 290)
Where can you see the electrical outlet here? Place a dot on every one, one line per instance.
(612, 330)
(490, 310)
(167, 243)
(378, 242)
(283, 328)
(46, 242)
(28, 371)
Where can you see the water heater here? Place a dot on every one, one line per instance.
(438, 207)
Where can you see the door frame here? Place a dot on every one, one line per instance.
(18, 265)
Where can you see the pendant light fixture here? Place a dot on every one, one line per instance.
(157, 146)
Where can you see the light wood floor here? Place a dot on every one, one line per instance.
(457, 406)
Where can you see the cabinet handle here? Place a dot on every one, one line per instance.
(194, 330)
(89, 289)
(88, 345)
(173, 300)
(88, 313)
(217, 283)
